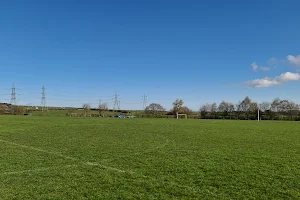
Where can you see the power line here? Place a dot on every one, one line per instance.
(135, 103)
(74, 100)
(70, 96)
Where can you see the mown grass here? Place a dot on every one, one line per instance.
(99, 158)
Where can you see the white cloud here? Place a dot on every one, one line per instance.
(288, 76)
(268, 82)
(265, 82)
(254, 66)
(295, 60)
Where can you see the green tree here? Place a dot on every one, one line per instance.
(177, 106)
(154, 108)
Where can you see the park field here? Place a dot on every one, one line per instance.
(104, 158)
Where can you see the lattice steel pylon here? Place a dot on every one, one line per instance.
(116, 102)
(43, 102)
(13, 99)
(145, 101)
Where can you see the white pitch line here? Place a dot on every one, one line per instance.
(36, 170)
(38, 149)
(63, 156)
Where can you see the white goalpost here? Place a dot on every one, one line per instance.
(177, 115)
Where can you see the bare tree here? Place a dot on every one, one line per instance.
(275, 104)
(230, 107)
(225, 108)
(213, 108)
(264, 106)
(238, 106)
(102, 107)
(253, 107)
(154, 108)
(293, 109)
(286, 105)
(222, 106)
(293, 106)
(86, 107)
(245, 104)
(205, 109)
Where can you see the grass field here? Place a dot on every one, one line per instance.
(98, 158)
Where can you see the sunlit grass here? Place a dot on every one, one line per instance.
(102, 158)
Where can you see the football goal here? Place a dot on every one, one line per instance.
(179, 115)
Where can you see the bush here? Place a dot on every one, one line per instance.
(17, 110)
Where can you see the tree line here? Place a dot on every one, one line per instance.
(244, 110)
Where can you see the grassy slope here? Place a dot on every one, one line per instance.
(160, 158)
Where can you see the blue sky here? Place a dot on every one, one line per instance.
(200, 51)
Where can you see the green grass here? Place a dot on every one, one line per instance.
(101, 158)
(62, 113)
